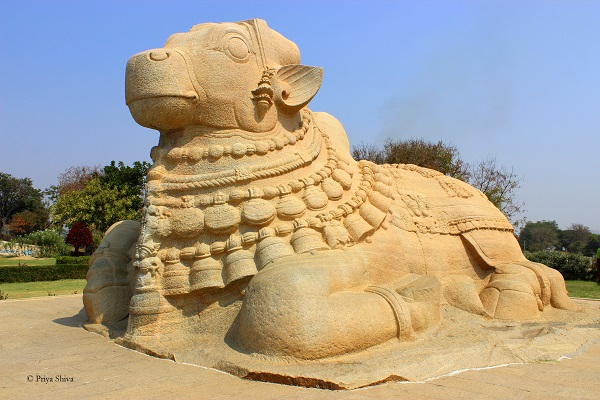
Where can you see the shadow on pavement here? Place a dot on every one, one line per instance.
(74, 321)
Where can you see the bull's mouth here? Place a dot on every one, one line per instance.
(191, 96)
(165, 111)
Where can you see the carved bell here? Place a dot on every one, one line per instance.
(372, 214)
(222, 217)
(358, 228)
(238, 264)
(380, 201)
(258, 212)
(384, 189)
(270, 248)
(336, 235)
(289, 206)
(343, 178)
(306, 239)
(315, 198)
(175, 279)
(332, 189)
(205, 273)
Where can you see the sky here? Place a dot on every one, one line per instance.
(514, 80)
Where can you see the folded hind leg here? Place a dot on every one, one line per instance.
(321, 305)
(559, 297)
(520, 290)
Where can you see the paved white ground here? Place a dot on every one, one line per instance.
(44, 353)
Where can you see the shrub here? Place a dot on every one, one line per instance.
(70, 260)
(50, 243)
(42, 273)
(572, 266)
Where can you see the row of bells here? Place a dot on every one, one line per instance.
(237, 263)
(205, 271)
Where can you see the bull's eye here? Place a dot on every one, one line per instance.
(237, 48)
(234, 44)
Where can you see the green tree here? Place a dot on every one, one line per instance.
(99, 197)
(97, 205)
(438, 156)
(72, 179)
(497, 183)
(18, 195)
(132, 179)
(75, 178)
(540, 235)
(575, 238)
(592, 245)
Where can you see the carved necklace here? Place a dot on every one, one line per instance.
(236, 150)
(161, 181)
(274, 220)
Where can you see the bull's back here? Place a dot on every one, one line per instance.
(447, 226)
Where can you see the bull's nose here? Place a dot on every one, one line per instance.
(158, 55)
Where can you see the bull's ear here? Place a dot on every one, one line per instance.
(295, 85)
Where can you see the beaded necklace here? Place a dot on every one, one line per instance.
(211, 240)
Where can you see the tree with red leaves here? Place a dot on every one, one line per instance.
(79, 236)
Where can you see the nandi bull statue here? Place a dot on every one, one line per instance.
(264, 244)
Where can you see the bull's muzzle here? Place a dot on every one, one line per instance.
(158, 73)
(161, 90)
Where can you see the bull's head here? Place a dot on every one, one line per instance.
(232, 75)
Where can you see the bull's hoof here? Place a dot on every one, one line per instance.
(461, 292)
(521, 290)
(514, 292)
(108, 305)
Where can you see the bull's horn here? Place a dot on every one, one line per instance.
(295, 85)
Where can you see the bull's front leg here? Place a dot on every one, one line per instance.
(319, 305)
(108, 291)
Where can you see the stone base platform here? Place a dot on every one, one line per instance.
(46, 354)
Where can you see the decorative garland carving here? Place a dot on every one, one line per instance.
(212, 240)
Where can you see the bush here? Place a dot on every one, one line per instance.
(70, 260)
(50, 243)
(572, 266)
(42, 273)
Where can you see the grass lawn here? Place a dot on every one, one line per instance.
(589, 290)
(45, 288)
(16, 261)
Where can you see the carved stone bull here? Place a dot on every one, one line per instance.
(261, 228)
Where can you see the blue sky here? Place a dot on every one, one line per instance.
(518, 80)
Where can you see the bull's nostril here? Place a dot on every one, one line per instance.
(158, 55)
